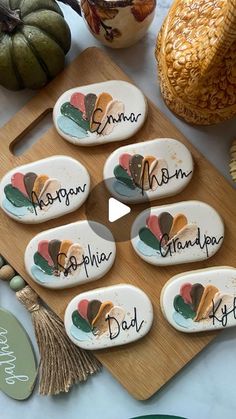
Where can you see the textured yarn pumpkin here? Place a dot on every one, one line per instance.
(34, 38)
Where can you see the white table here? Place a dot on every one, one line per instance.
(205, 389)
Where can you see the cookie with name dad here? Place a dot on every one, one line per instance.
(107, 317)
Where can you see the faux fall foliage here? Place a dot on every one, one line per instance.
(141, 9)
(97, 13)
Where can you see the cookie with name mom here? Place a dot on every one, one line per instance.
(148, 170)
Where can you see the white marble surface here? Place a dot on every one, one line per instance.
(205, 389)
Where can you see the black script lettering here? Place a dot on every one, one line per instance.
(98, 123)
(40, 204)
(113, 335)
(112, 120)
(113, 322)
(123, 118)
(165, 176)
(169, 247)
(165, 250)
(225, 312)
(92, 259)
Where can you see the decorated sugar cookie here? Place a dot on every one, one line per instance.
(148, 170)
(178, 233)
(108, 317)
(70, 255)
(100, 113)
(45, 189)
(201, 300)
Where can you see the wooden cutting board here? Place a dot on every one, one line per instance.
(142, 367)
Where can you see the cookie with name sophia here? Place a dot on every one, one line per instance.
(100, 113)
(70, 255)
(107, 317)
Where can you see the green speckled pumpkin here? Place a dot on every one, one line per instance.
(34, 38)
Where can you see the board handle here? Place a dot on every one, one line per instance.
(24, 120)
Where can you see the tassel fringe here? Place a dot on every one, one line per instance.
(62, 362)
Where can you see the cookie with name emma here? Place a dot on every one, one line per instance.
(100, 113)
(107, 317)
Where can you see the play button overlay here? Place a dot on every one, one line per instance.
(117, 210)
(118, 217)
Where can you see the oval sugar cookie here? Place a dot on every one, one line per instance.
(70, 255)
(107, 317)
(201, 300)
(148, 170)
(100, 113)
(45, 189)
(183, 232)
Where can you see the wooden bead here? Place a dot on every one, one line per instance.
(6, 273)
(17, 283)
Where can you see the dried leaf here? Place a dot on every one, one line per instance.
(141, 9)
(116, 33)
(91, 16)
(106, 14)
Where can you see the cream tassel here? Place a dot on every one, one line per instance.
(232, 165)
(62, 363)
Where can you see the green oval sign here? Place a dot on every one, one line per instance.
(18, 369)
(158, 417)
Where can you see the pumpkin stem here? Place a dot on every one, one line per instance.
(74, 4)
(9, 19)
